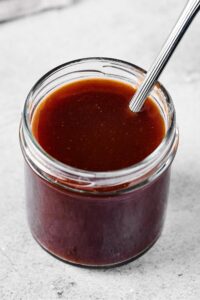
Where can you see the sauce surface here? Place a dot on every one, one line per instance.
(87, 124)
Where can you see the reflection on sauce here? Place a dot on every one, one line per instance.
(88, 125)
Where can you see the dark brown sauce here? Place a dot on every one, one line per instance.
(87, 124)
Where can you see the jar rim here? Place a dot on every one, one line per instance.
(52, 166)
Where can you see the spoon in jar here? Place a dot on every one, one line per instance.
(167, 50)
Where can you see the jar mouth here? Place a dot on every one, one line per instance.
(56, 171)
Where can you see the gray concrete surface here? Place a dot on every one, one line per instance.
(129, 30)
(12, 9)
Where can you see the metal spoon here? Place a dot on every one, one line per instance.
(167, 50)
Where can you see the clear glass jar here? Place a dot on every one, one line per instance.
(96, 218)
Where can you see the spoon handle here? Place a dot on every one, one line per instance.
(167, 50)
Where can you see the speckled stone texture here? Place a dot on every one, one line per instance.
(12, 9)
(129, 30)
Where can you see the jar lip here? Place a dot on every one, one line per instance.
(67, 169)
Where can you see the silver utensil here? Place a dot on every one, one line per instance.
(167, 50)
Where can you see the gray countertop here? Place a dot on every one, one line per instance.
(132, 31)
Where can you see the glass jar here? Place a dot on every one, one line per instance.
(96, 218)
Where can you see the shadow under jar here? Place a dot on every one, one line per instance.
(96, 218)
